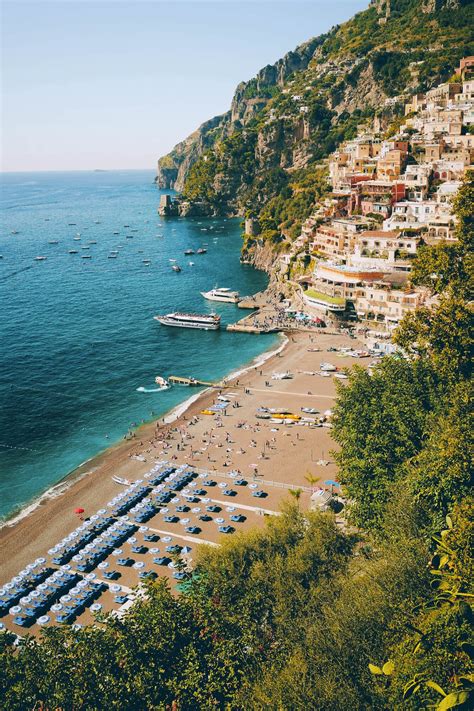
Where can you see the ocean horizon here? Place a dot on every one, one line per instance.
(79, 349)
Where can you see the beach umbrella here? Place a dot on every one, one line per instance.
(15, 610)
(53, 550)
(17, 579)
(205, 500)
(40, 561)
(117, 552)
(132, 540)
(65, 598)
(196, 509)
(25, 600)
(115, 588)
(219, 520)
(96, 607)
(331, 482)
(154, 550)
(230, 509)
(74, 591)
(57, 607)
(90, 576)
(103, 565)
(186, 549)
(43, 620)
(184, 521)
(35, 593)
(171, 565)
(139, 564)
(9, 586)
(176, 499)
(253, 486)
(102, 511)
(42, 586)
(78, 557)
(164, 510)
(82, 584)
(222, 485)
(79, 510)
(2, 626)
(166, 539)
(143, 529)
(65, 567)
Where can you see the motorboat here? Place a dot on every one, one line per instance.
(86, 256)
(73, 251)
(206, 322)
(40, 259)
(176, 268)
(189, 251)
(222, 294)
(53, 241)
(162, 382)
(201, 250)
(327, 367)
(191, 264)
(341, 376)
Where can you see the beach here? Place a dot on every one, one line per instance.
(256, 448)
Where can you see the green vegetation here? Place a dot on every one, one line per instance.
(312, 293)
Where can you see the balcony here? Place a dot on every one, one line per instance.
(325, 301)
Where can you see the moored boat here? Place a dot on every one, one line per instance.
(223, 294)
(206, 322)
(176, 268)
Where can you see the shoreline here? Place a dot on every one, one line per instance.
(87, 467)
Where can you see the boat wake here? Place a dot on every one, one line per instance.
(152, 390)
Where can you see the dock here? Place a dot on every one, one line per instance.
(178, 380)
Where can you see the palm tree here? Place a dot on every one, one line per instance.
(296, 494)
(311, 479)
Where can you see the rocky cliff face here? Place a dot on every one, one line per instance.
(259, 158)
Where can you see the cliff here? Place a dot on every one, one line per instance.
(259, 158)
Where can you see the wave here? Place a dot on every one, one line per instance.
(152, 390)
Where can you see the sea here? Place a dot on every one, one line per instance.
(79, 348)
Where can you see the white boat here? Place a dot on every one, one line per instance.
(341, 376)
(223, 294)
(53, 241)
(176, 268)
(207, 322)
(40, 259)
(327, 367)
(162, 382)
(282, 376)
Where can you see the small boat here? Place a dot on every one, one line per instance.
(86, 256)
(86, 246)
(97, 222)
(72, 224)
(191, 264)
(116, 233)
(147, 262)
(171, 260)
(201, 250)
(112, 256)
(341, 376)
(133, 230)
(127, 226)
(327, 367)
(176, 268)
(53, 241)
(282, 376)
(40, 259)
(189, 251)
(162, 382)
(129, 236)
(92, 241)
(76, 239)
(15, 232)
(73, 251)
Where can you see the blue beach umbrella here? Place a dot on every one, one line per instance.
(331, 482)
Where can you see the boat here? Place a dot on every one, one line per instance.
(40, 259)
(341, 376)
(85, 247)
(162, 382)
(327, 367)
(189, 251)
(176, 268)
(86, 256)
(129, 236)
(147, 262)
(92, 241)
(207, 322)
(53, 241)
(116, 233)
(191, 264)
(71, 224)
(15, 232)
(201, 250)
(282, 376)
(112, 256)
(223, 294)
(73, 251)
(77, 239)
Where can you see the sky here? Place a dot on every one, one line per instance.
(114, 84)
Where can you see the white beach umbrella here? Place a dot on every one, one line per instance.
(74, 591)
(154, 550)
(90, 576)
(143, 529)
(139, 565)
(115, 588)
(96, 607)
(57, 607)
(184, 521)
(15, 610)
(166, 539)
(43, 620)
(35, 593)
(117, 552)
(82, 584)
(219, 520)
(65, 598)
(66, 567)
(103, 565)
(230, 509)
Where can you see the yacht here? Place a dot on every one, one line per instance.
(222, 294)
(207, 322)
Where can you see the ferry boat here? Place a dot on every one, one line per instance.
(207, 322)
(222, 294)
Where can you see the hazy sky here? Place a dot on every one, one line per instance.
(116, 83)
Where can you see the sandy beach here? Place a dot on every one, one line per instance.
(271, 456)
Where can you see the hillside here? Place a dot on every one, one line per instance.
(261, 157)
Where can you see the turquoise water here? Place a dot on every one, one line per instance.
(77, 336)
